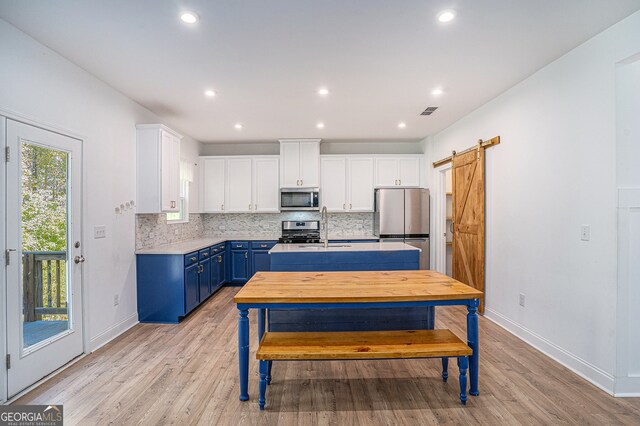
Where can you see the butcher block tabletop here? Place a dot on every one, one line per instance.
(353, 287)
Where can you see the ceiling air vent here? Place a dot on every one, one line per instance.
(429, 111)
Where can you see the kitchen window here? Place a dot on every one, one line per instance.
(186, 177)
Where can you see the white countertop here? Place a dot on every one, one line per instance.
(340, 247)
(189, 246)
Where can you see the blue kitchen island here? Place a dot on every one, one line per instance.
(370, 256)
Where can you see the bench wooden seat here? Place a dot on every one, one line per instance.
(362, 345)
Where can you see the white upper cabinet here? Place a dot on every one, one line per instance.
(157, 169)
(243, 184)
(409, 171)
(397, 171)
(333, 191)
(213, 184)
(266, 185)
(300, 163)
(289, 164)
(347, 183)
(360, 181)
(239, 182)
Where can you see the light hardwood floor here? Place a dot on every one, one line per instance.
(187, 374)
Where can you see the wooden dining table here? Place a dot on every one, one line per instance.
(355, 289)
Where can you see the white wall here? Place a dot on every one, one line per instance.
(42, 86)
(554, 171)
(628, 177)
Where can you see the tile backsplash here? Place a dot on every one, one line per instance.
(153, 230)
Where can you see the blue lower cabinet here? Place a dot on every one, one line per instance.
(260, 260)
(172, 285)
(239, 265)
(205, 279)
(217, 271)
(191, 283)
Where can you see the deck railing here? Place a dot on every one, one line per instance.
(44, 276)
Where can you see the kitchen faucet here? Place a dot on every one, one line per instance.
(324, 219)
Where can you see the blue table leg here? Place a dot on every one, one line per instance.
(243, 353)
(261, 318)
(269, 363)
(463, 363)
(474, 344)
(445, 369)
(263, 384)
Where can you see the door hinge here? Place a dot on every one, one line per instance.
(7, 154)
(8, 361)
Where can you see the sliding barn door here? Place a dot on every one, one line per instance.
(468, 219)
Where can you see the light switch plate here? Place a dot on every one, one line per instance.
(585, 232)
(99, 231)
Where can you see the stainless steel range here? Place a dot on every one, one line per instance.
(300, 231)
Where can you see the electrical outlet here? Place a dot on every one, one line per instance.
(522, 299)
(99, 231)
(116, 299)
(585, 232)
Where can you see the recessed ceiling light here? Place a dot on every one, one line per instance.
(238, 126)
(402, 125)
(320, 125)
(437, 92)
(210, 93)
(446, 15)
(189, 17)
(323, 91)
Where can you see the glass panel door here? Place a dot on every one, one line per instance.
(44, 291)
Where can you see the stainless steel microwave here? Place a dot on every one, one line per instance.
(292, 199)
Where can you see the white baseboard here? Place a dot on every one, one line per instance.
(582, 368)
(108, 335)
(627, 387)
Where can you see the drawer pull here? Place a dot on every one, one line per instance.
(205, 254)
(193, 259)
(239, 246)
(263, 245)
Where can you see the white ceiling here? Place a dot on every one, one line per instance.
(266, 59)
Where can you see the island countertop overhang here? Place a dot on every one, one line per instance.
(340, 247)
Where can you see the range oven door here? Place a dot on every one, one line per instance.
(299, 199)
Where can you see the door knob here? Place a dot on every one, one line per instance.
(79, 259)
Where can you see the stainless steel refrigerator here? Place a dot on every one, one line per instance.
(403, 215)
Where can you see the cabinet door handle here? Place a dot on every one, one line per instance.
(400, 180)
(249, 206)
(221, 206)
(173, 204)
(246, 255)
(219, 259)
(301, 182)
(349, 206)
(255, 207)
(344, 207)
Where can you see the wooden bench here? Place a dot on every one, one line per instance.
(362, 345)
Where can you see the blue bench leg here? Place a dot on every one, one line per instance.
(270, 363)
(263, 383)
(445, 369)
(463, 364)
